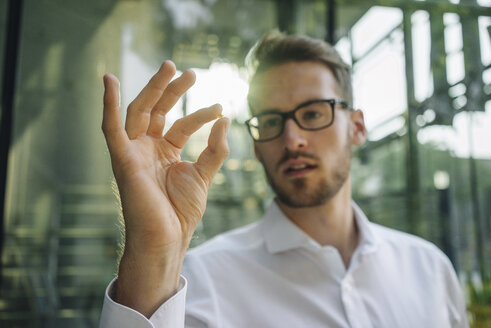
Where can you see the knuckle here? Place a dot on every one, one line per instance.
(107, 128)
(131, 106)
(135, 106)
(179, 123)
(173, 92)
(226, 151)
(104, 127)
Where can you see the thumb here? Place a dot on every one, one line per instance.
(213, 156)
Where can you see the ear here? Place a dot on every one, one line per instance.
(358, 128)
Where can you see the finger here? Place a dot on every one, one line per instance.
(112, 126)
(213, 156)
(184, 127)
(139, 110)
(169, 98)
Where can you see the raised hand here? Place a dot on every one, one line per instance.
(162, 197)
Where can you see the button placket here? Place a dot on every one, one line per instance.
(348, 286)
(354, 308)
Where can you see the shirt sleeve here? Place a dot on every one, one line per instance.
(169, 314)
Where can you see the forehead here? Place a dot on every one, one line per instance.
(287, 85)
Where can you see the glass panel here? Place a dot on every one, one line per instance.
(434, 184)
(3, 35)
(61, 212)
(420, 171)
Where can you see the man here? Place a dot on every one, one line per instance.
(313, 261)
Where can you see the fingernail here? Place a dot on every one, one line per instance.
(106, 79)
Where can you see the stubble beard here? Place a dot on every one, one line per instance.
(300, 194)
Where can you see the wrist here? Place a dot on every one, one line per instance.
(146, 282)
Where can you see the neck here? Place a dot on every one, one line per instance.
(331, 223)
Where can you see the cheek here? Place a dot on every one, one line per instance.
(329, 139)
(340, 134)
(265, 154)
(259, 151)
(332, 144)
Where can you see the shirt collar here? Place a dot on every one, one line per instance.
(368, 239)
(281, 234)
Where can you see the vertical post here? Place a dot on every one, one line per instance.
(14, 14)
(475, 102)
(285, 10)
(476, 212)
(412, 160)
(440, 99)
(444, 210)
(330, 21)
(474, 68)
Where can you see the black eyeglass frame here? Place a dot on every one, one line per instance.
(291, 114)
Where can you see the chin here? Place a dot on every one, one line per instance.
(301, 194)
(310, 191)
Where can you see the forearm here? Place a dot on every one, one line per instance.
(162, 197)
(144, 283)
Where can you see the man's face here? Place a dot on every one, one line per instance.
(305, 168)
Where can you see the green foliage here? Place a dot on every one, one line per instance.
(479, 309)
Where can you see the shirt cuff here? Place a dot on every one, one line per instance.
(169, 314)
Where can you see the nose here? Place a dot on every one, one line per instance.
(294, 137)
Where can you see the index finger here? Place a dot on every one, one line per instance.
(138, 117)
(184, 127)
(169, 98)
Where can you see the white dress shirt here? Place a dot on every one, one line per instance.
(271, 274)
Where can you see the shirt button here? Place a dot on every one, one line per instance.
(347, 287)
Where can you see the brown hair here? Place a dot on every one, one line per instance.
(276, 48)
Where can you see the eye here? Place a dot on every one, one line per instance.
(313, 114)
(270, 122)
(310, 115)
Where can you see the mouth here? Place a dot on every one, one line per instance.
(295, 169)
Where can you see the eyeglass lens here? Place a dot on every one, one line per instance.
(312, 116)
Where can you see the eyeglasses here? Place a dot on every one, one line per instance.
(311, 115)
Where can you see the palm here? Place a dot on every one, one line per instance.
(163, 198)
(167, 192)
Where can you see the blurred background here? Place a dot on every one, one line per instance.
(422, 75)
